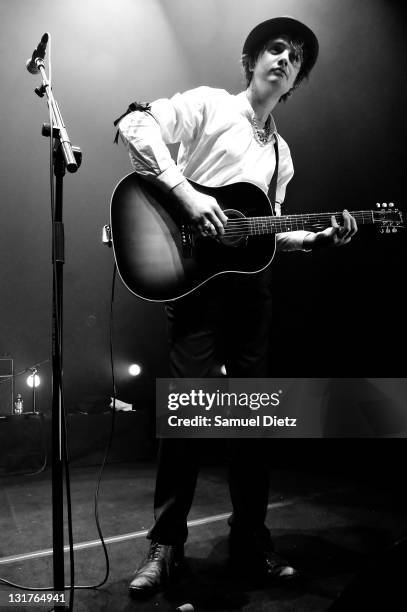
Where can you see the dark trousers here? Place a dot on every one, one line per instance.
(226, 321)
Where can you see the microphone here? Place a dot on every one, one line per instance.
(38, 53)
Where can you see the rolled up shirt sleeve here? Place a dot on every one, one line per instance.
(291, 241)
(146, 135)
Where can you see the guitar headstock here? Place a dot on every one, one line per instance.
(388, 218)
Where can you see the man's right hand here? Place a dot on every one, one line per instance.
(202, 211)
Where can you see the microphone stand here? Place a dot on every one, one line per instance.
(65, 157)
(34, 376)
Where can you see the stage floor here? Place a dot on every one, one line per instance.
(331, 527)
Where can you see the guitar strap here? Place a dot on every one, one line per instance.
(272, 192)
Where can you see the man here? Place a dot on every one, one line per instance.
(224, 139)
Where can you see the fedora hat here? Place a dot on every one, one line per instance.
(288, 26)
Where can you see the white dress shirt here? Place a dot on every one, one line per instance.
(217, 146)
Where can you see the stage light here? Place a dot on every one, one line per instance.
(33, 379)
(134, 369)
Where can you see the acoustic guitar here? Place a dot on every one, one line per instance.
(161, 258)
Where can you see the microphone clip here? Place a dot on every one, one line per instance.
(40, 91)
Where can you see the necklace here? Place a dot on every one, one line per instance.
(262, 135)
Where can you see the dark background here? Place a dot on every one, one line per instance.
(337, 313)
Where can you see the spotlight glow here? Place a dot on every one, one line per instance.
(33, 379)
(135, 369)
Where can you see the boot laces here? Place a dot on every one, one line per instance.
(156, 550)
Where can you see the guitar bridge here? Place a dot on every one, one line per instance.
(186, 241)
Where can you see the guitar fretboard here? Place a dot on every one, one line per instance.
(288, 223)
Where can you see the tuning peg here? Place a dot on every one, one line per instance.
(394, 230)
(387, 230)
(391, 204)
(378, 204)
(384, 205)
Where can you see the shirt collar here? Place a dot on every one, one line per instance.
(247, 111)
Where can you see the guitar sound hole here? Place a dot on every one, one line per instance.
(235, 234)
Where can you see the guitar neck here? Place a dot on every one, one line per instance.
(311, 222)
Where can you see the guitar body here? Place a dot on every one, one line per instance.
(157, 255)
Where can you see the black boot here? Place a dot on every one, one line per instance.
(252, 556)
(158, 568)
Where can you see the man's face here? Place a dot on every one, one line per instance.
(278, 66)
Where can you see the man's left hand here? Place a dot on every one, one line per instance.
(336, 235)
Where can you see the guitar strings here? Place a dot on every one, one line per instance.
(362, 215)
(269, 224)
